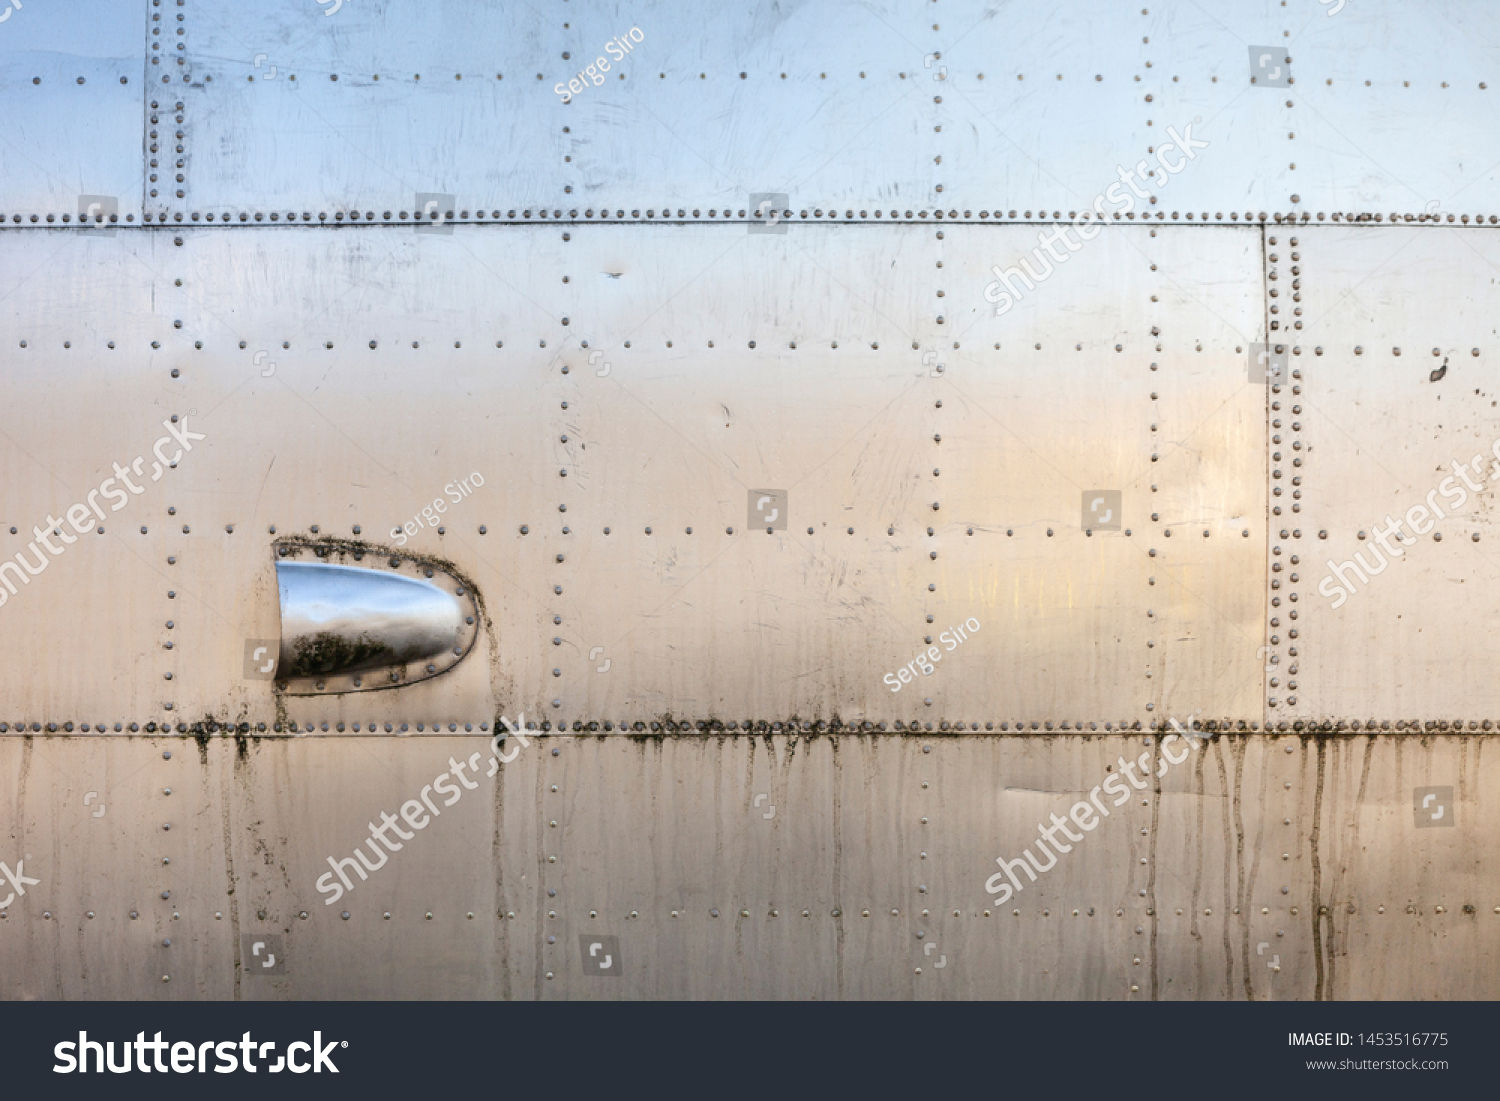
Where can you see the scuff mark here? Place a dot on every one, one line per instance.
(838, 867)
(1319, 993)
(1244, 884)
(1151, 908)
(227, 835)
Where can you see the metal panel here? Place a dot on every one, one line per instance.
(785, 867)
(75, 76)
(124, 836)
(1391, 125)
(336, 108)
(319, 403)
(758, 101)
(284, 95)
(1020, 133)
(1378, 115)
(1122, 372)
(1096, 476)
(346, 394)
(271, 99)
(110, 587)
(481, 942)
(1397, 385)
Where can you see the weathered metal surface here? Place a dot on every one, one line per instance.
(1397, 356)
(783, 867)
(75, 77)
(1061, 481)
(677, 411)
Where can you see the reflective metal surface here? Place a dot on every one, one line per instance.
(340, 621)
(76, 80)
(804, 577)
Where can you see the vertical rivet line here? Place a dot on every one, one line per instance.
(1283, 428)
(179, 133)
(922, 934)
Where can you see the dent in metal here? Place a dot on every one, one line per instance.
(357, 628)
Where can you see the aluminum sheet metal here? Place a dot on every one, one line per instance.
(862, 429)
(914, 494)
(76, 81)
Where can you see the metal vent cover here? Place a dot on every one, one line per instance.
(358, 619)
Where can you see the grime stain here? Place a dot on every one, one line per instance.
(327, 652)
(1243, 883)
(1151, 907)
(226, 833)
(1319, 993)
(1229, 823)
(201, 735)
(838, 869)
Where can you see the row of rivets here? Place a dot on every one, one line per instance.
(1020, 217)
(853, 728)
